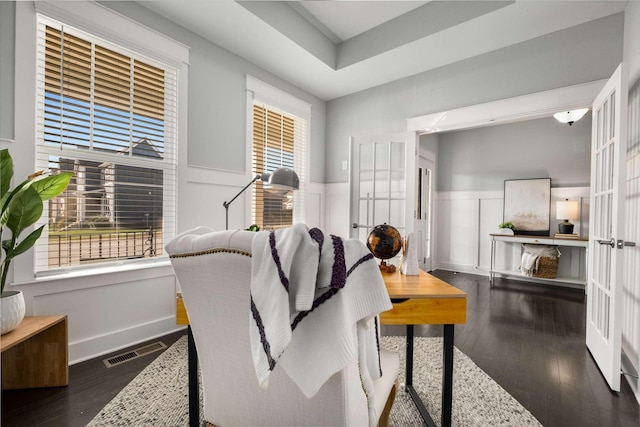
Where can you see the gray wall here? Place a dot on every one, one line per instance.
(481, 159)
(583, 53)
(632, 41)
(7, 49)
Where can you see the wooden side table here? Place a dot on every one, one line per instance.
(36, 354)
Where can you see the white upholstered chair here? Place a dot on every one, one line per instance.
(214, 273)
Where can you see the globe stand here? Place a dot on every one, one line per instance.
(386, 268)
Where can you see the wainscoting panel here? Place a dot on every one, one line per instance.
(465, 219)
(457, 231)
(336, 214)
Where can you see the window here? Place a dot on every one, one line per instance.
(109, 115)
(274, 146)
(279, 137)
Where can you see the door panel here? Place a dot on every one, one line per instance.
(379, 191)
(608, 172)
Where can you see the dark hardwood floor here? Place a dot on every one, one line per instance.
(528, 337)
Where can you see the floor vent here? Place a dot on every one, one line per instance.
(133, 354)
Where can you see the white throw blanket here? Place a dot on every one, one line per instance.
(314, 305)
(531, 257)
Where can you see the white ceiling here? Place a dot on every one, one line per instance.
(335, 48)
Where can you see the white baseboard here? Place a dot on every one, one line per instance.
(93, 347)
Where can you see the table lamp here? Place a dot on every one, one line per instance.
(566, 210)
(281, 179)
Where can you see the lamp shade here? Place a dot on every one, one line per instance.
(570, 116)
(284, 179)
(567, 209)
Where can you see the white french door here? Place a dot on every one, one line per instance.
(608, 173)
(382, 182)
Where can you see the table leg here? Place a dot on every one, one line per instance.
(409, 381)
(194, 390)
(408, 378)
(492, 262)
(447, 376)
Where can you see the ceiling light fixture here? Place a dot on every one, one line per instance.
(570, 116)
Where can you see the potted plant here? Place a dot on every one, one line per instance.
(20, 209)
(507, 227)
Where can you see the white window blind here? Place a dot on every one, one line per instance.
(109, 115)
(279, 139)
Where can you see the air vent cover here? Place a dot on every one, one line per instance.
(134, 354)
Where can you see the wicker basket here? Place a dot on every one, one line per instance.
(547, 268)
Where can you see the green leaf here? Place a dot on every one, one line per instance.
(27, 243)
(24, 210)
(52, 185)
(6, 171)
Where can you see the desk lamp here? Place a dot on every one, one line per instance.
(281, 179)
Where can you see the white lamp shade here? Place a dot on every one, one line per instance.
(567, 209)
(570, 116)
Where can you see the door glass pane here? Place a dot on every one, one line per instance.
(366, 156)
(382, 185)
(382, 155)
(612, 116)
(381, 212)
(398, 184)
(364, 213)
(366, 184)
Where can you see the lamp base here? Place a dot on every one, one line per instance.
(565, 228)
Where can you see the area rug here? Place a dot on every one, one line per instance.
(159, 396)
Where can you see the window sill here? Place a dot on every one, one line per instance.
(102, 276)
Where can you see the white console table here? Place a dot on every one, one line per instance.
(576, 268)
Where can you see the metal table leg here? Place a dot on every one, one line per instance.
(447, 378)
(409, 381)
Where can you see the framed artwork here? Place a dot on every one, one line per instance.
(527, 203)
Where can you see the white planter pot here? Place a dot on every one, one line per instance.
(11, 310)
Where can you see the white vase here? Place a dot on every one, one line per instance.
(11, 310)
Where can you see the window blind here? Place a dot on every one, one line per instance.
(108, 115)
(279, 139)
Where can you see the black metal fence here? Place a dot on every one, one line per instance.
(99, 246)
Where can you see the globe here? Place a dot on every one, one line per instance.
(384, 241)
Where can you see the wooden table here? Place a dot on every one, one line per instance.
(417, 300)
(35, 354)
(426, 300)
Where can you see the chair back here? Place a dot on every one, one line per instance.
(214, 273)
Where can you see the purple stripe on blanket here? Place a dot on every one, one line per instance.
(276, 258)
(330, 293)
(375, 322)
(339, 274)
(365, 258)
(317, 235)
(316, 303)
(263, 337)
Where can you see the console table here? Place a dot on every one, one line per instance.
(578, 267)
(35, 354)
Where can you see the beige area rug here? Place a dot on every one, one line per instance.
(159, 394)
